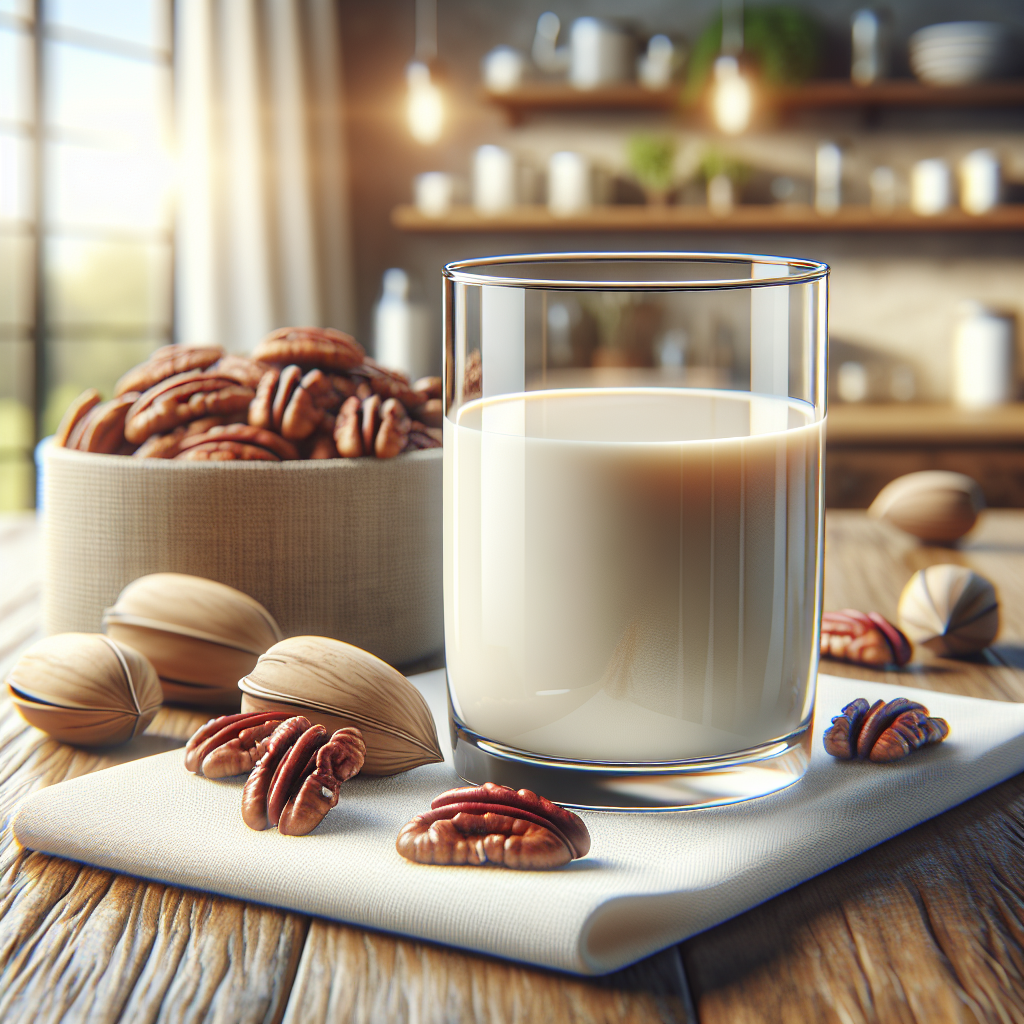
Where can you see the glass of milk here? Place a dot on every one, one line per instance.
(632, 551)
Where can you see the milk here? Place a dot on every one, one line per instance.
(632, 574)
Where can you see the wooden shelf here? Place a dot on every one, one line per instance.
(550, 97)
(780, 218)
(915, 423)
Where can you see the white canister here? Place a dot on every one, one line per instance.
(569, 187)
(433, 192)
(494, 180)
(503, 69)
(828, 178)
(983, 371)
(930, 187)
(979, 181)
(600, 54)
(402, 329)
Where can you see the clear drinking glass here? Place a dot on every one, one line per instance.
(633, 523)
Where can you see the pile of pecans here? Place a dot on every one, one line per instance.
(306, 393)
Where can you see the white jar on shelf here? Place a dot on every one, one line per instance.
(569, 185)
(494, 180)
(930, 187)
(983, 370)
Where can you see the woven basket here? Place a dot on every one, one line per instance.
(347, 548)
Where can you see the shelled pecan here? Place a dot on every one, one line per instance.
(231, 744)
(76, 411)
(240, 434)
(166, 362)
(884, 731)
(180, 399)
(492, 824)
(311, 347)
(864, 639)
(101, 428)
(299, 775)
(166, 446)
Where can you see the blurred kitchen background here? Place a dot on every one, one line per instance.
(205, 171)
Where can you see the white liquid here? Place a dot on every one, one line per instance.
(632, 574)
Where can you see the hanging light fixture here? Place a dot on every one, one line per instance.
(425, 103)
(732, 99)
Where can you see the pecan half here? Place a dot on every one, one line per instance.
(102, 428)
(884, 731)
(167, 362)
(230, 744)
(428, 387)
(348, 437)
(166, 446)
(79, 408)
(393, 435)
(864, 639)
(429, 412)
(493, 824)
(387, 383)
(370, 413)
(180, 399)
(261, 407)
(311, 346)
(243, 434)
(240, 368)
(298, 778)
(227, 451)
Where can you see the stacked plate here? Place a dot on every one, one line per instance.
(959, 52)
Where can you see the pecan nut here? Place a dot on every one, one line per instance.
(348, 436)
(298, 777)
(101, 429)
(884, 731)
(231, 744)
(864, 639)
(393, 434)
(227, 451)
(311, 347)
(181, 399)
(492, 824)
(166, 446)
(243, 434)
(166, 362)
(77, 410)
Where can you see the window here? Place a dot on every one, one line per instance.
(86, 179)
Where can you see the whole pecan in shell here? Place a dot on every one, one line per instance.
(864, 639)
(230, 744)
(309, 347)
(167, 362)
(298, 778)
(492, 824)
(78, 409)
(180, 399)
(884, 731)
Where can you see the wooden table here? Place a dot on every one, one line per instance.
(927, 927)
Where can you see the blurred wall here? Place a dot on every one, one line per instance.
(893, 293)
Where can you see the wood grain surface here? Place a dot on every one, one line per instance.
(927, 927)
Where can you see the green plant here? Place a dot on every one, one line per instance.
(652, 160)
(714, 162)
(783, 43)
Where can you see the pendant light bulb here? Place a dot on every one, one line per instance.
(425, 109)
(731, 99)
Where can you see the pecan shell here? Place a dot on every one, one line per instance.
(299, 776)
(884, 731)
(864, 639)
(311, 347)
(492, 824)
(230, 744)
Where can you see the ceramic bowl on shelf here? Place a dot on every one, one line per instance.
(959, 52)
(345, 548)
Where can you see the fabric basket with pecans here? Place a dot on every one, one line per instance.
(306, 393)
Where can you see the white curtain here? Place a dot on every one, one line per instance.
(263, 236)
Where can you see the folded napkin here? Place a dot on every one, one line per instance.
(650, 880)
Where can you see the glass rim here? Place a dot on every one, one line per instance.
(466, 271)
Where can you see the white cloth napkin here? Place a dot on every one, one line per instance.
(650, 880)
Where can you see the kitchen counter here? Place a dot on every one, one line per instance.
(928, 926)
